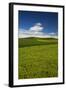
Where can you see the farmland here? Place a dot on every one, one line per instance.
(38, 58)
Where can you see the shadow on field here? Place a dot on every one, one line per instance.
(46, 43)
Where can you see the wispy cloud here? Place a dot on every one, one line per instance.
(36, 31)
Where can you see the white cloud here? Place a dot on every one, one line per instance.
(52, 33)
(32, 32)
(36, 31)
(36, 28)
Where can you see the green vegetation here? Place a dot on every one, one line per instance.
(38, 58)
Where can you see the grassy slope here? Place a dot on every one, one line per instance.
(36, 41)
(38, 58)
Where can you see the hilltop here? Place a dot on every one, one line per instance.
(33, 41)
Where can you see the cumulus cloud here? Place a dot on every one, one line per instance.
(32, 32)
(35, 31)
(36, 28)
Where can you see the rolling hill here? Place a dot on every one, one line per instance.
(38, 58)
(33, 41)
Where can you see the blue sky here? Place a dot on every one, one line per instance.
(44, 22)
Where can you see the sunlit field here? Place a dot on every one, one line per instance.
(38, 58)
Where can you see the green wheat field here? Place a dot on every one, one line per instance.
(38, 58)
